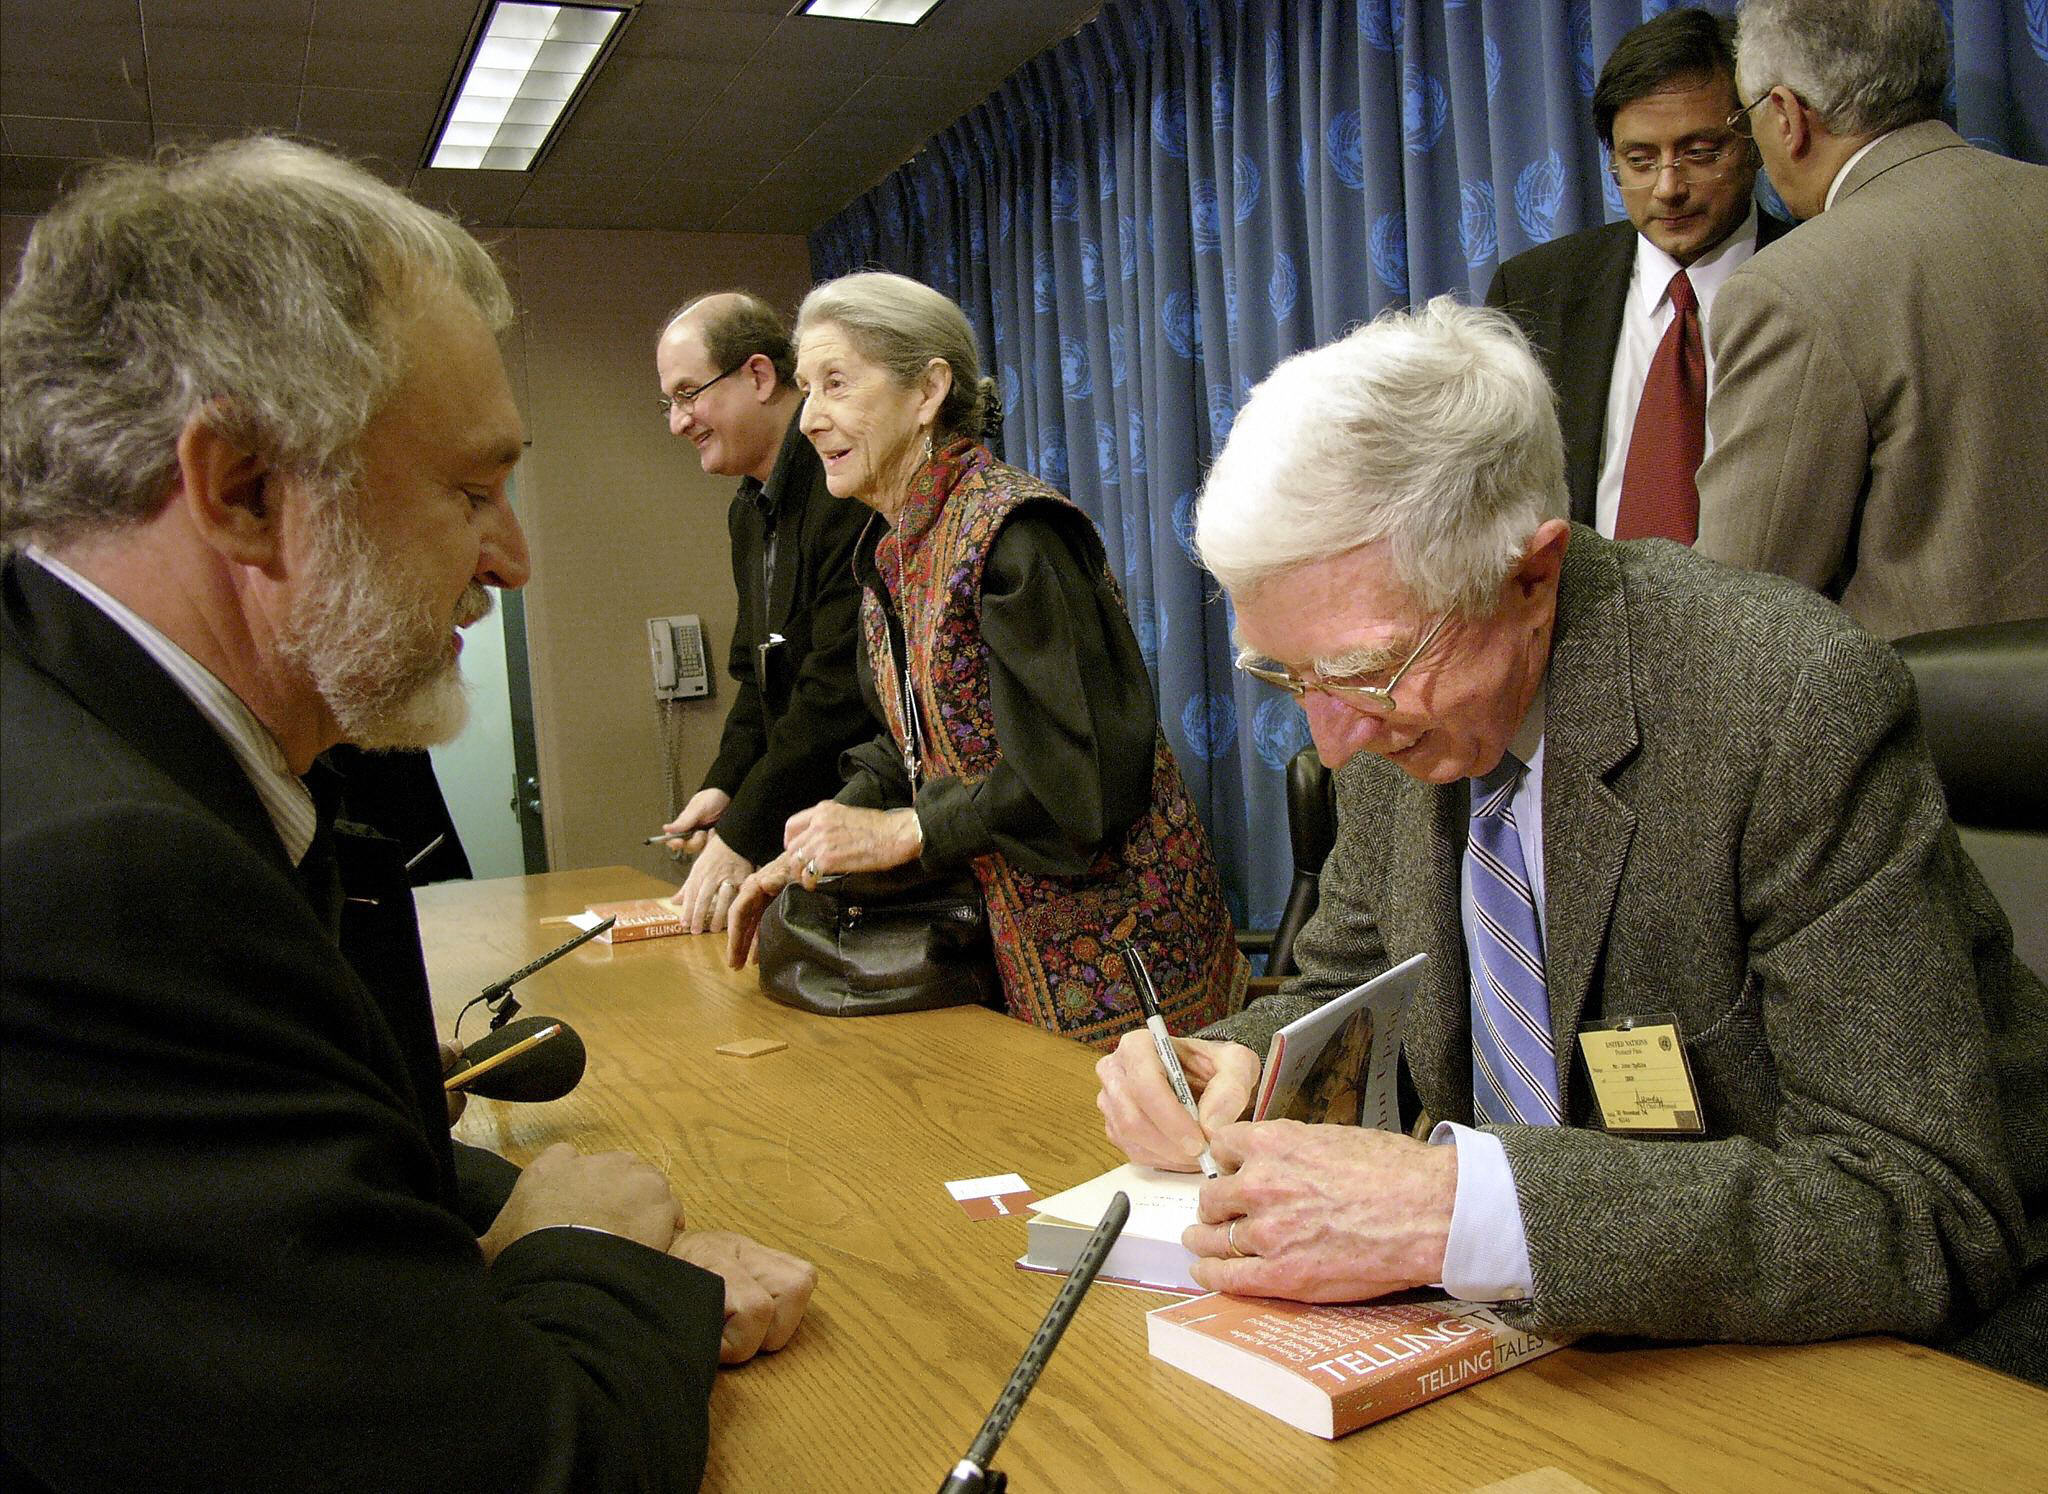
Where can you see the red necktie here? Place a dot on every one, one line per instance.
(1658, 496)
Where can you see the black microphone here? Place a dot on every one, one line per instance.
(972, 1475)
(546, 1071)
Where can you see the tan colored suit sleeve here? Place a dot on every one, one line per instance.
(1780, 489)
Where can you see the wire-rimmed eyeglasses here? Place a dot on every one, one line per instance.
(1640, 170)
(1739, 123)
(1373, 700)
(687, 398)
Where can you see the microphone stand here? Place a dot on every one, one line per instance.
(498, 994)
(972, 1475)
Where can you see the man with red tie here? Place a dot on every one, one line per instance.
(1616, 313)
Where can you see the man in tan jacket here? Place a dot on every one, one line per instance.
(1878, 426)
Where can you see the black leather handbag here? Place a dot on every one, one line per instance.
(873, 944)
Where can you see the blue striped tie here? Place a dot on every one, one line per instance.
(1514, 1065)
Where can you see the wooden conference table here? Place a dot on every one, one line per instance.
(838, 1148)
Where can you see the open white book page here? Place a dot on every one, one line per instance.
(1162, 1203)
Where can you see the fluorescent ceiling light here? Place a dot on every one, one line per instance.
(527, 66)
(895, 12)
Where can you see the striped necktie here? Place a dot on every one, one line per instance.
(1514, 1065)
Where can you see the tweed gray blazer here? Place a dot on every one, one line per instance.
(1741, 826)
(1880, 403)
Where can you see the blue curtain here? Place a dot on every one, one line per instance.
(1143, 220)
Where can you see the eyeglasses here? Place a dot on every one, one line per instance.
(1739, 122)
(1639, 171)
(687, 398)
(1373, 700)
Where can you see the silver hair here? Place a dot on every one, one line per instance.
(902, 324)
(1435, 431)
(1864, 66)
(259, 281)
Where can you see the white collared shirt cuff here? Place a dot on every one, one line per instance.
(1487, 1256)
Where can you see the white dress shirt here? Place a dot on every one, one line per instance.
(1847, 167)
(1645, 316)
(286, 799)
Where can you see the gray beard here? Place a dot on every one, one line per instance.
(378, 657)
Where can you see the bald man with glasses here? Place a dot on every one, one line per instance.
(1617, 313)
(728, 388)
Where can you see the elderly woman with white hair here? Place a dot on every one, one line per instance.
(1023, 739)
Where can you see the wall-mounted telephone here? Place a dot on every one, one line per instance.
(677, 647)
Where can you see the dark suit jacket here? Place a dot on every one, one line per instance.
(1741, 826)
(783, 736)
(236, 1252)
(1568, 295)
(1880, 406)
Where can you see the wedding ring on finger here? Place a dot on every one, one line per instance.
(1230, 1239)
(811, 868)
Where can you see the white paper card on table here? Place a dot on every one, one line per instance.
(998, 1197)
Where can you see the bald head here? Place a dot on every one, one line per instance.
(728, 372)
(736, 324)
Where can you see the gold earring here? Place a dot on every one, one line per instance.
(927, 447)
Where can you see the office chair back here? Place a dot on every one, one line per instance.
(1311, 830)
(1984, 710)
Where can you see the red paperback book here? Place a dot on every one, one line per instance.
(1333, 1369)
(642, 918)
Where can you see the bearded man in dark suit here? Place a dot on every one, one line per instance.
(255, 442)
(1600, 783)
(1598, 304)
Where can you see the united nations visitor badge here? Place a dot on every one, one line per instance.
(1640, 1075)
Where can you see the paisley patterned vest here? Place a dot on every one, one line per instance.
(1156, 884)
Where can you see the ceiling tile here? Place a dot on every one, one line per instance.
(801, 95)
(241, 54)
(693, 36)
(368, 109)
(669, 216)
(413, 66)
(956, 41)
(854, 47)
(39, 40)
(582, 192)
(291, 15)
(765, 215)
(549, 212)
(571, 158)
(70, 16)
(27, 202)
(646, 98)
(699, 199)
(725, 7)
(86, 94)
(238, 106)
(423, 22)
(41, 173)
(83, 138)
(191, 137)
(728, 143)
(473, 196)
(709, 113)
(391, 155)
(931, 102)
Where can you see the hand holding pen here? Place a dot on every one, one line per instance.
(1169, 1059)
